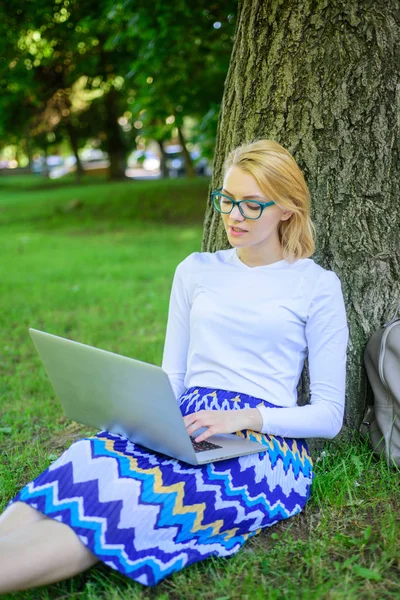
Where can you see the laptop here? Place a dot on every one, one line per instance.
(128, 397)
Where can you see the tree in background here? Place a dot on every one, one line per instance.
(180, 67)
(165, 62)
(61, 43)
(321, 78)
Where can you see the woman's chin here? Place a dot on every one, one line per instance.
(237, 240)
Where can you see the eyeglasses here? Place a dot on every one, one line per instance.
(249, 209)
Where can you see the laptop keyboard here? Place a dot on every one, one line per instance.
(203, 446)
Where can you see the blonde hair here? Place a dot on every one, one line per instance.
(280, 179)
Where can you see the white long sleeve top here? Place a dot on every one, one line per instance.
(249, 329)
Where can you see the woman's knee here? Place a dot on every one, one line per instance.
(19, 514)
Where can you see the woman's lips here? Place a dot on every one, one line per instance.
(236, 233)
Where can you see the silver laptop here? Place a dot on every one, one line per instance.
(129, 397)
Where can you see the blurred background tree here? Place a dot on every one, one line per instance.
(115, 75)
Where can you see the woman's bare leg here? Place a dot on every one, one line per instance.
(18, 515)
(41, 553)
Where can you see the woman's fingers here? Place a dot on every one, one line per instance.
(203, 418)
(194, 422)
(214, 421)
(206, 434)
(222, 421)
(189, 420)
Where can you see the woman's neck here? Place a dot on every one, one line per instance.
(254, 258)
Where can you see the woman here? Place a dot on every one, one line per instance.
(241, 322)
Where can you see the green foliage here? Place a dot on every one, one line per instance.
(183, 53)
(157, 61)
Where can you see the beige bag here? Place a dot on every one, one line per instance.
(381, 424)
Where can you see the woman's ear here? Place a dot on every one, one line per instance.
(286, 215)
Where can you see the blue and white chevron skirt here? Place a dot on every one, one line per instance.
(147, 515)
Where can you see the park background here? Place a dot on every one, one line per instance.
(115, 118)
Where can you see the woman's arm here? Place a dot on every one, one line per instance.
(327, 338)
(176, 345)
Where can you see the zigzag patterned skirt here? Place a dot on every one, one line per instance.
(147, 515)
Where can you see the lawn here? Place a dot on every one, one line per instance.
(95, 263)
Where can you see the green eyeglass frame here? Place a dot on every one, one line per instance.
(238, 203)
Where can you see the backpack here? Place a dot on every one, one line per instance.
(381, 423)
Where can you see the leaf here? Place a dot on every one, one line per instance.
(367, 573)
(359, 464)
(349, 561)
(5, 430)
(367, 533)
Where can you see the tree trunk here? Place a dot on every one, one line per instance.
(46, 170)
(114, 142)
(322, 79)
(190, 170)
(163, 160)
(28, 146)
(73, 138)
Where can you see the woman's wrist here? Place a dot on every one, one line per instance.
(253, 419)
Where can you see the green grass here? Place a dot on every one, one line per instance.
(92, 271)
(47, 204)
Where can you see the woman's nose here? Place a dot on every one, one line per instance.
(236, 214)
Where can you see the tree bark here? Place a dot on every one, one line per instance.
(322, 78)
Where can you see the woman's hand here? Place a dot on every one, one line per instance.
(222, 421)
